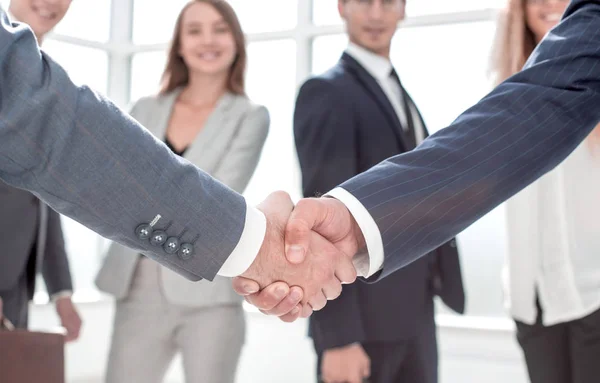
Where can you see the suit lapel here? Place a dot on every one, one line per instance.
(165, 109)
(373, 88)
(206, 150)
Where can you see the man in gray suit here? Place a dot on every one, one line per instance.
(88, 160)
(30, 232)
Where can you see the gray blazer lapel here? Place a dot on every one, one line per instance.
(210, 145)
(164, 109)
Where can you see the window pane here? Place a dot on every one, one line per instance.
(266, 15)
(327, 51)
(88, 20)
(272, 83)
(444, 70)
(428, 7)
(146, 69)
(86, 66)
(153, 23)
(325, 12)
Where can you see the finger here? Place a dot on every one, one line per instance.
(333, 289)
(292, 315)
(366, 370)
(244, 286)
(307, 311)
(318, 301)
(307, 214)
(270, 296)
(345, 271)
(288, 304)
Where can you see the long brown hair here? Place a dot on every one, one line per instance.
(176, 72)
(513, 44)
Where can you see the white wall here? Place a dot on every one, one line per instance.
(471, 351)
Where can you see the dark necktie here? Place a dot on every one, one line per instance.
(408, 133)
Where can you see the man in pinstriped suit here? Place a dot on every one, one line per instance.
(404, 207)
(84, 157)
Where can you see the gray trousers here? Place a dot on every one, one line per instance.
(16, 302)
(149, 331)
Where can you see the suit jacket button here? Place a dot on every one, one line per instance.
(186, 251)
(172, 245)
(143, 231)
(453, 243)
(158, 238)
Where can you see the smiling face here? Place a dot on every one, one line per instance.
(41, 15)
(543, 15)
(371, 24)
(207, 42)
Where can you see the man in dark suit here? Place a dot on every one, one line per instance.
(31, 232)
(347, 120)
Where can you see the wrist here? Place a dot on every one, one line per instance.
(61, 295)
(257, 270)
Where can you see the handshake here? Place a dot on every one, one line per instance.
(305, 257)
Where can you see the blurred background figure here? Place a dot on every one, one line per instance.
(31, 232)
(347, 120)
(203, 114)
(553, 273)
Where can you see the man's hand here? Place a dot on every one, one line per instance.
(348, 364)
(321, 273)
(328, 217)
(69, 317)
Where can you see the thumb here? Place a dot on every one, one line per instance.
(307, 214)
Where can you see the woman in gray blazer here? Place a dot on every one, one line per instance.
(203, 115)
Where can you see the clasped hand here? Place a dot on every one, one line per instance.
(305, 257)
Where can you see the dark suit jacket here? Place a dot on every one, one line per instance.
(344, 125)
(29, 228)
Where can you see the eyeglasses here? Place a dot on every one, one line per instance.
(540, 2)
(388, 5)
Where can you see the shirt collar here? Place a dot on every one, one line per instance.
(377, 66)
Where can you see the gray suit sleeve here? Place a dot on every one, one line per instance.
(55, 266)
(241, 159)
(90, 161)
(521, 130)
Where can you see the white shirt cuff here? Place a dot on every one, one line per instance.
(371, 261)
(248, 246)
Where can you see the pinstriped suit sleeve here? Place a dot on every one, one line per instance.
(521, 130)
(88, 160)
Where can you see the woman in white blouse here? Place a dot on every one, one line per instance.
(553, 274)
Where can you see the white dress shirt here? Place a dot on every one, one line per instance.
(366, 263)
(554, 243)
